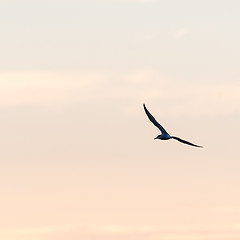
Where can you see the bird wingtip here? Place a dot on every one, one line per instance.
(144, 105)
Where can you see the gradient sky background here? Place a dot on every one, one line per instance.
(78, 160)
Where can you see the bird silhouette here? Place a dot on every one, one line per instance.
(165, 135)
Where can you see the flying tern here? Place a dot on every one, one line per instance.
(165, 135)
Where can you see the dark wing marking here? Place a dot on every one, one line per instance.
(186, 142)
(153, 120)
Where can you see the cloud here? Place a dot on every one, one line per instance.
(136, 87)
(128, 1)
(21, 88)
(141, 0)
(181, 32)
(144, 37)
(109, 231)
(227, 209)
(145, 1)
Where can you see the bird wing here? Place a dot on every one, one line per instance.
(186, 142)
(153, 120)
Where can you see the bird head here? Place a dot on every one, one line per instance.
(158, 137)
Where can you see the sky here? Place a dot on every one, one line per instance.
(78, 159)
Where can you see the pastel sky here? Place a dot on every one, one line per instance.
(78, 159)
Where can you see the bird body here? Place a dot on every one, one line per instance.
(165, 135)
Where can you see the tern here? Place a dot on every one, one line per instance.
(165, 135)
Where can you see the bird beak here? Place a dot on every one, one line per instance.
(155, 138)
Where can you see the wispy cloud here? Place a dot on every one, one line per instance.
(211, 232)
(19, 88)
(227, 209)
(181, 32)
(57, 88)
(144, 37)
(129, 1)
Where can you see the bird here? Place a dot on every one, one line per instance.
(165, 135)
